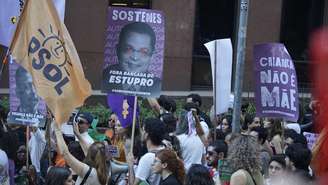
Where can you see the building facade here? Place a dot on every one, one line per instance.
(190, 24)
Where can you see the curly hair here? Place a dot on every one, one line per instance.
(243, 154)
(198, 174)
(174, 164)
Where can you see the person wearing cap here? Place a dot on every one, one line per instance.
(84, 121)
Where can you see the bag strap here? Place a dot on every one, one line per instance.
(87, 175)
(251, 177)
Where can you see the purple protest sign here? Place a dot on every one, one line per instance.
(134, 52)
(276, 92)
(122, 106)
(26, 107)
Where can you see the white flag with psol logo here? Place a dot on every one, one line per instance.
(10, 11)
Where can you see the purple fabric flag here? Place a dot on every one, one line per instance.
(122, 106)
(276, 92)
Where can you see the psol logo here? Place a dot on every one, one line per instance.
(49, 48)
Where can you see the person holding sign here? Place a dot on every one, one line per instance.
(135, 48)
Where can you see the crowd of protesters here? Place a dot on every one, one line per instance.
(184, 148)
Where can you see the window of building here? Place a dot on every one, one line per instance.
(131, 3)
(214, 20)
(299, 19)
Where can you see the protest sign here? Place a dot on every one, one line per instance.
(26, 107)
(134, 52)
(311, 139)
(122, 106)
(276, 92)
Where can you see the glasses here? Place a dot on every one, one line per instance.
(143, 52)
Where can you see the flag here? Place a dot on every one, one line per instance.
(319, 59)
(43, 46)
(122, 106)
(10, 11)
(221, 62)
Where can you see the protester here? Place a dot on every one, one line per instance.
(94, 169)
(153, 134)
(4, 168)
(84, 121)
(198, 174)
(275, 129)
(170, 167)
(191, 145)
(276, 169)
(195, 98)
(244, 160)
(225, 124)
(298, 158)
(261, 135)
(59, 176)
(216, 153)
(250, 121)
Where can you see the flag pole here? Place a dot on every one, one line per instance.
(27, 149)
(134, 122)
(241, 45)
(4, 62)
(214, 86)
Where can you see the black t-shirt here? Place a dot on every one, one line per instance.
(170, 180)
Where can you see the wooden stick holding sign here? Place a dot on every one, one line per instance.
(134, 122)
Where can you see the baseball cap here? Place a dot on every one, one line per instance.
(87, 116)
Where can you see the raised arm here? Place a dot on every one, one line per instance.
(84, 145)
(77, 166)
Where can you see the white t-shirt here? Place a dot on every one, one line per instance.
(4, 168)
(192, 149)
(87, 138)
(205, 128)
(144, 170)
(91, 180)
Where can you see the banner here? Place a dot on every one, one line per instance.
(221, 62)
(134, 52)
(122, 106)
(26, 107)
(311, 139)
(43, 46)
(10, 11)
(276, 92)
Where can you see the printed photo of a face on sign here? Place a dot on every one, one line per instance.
(134, 52)
(276, 92)
(26, 107)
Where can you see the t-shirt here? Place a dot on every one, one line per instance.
(192, 149)
(4, 168)
(144, 171)
(91, 180)
(170, 180)
(87, 138)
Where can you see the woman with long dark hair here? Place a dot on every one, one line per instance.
(198, 175)
(59, 176)
(170, 167)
